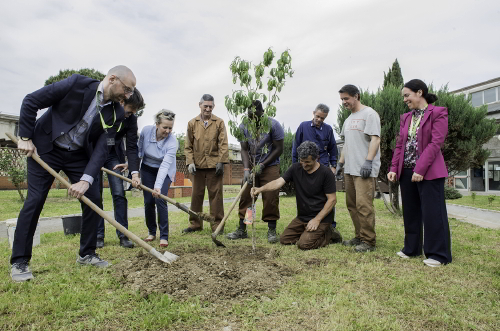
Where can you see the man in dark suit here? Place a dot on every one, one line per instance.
(72, 135)
(116, 162)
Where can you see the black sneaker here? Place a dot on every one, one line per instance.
(99, 243)
(272, 236)
(189, 230)
(92, 259)
(352, 242)
(238, 234)
(125, 242)
(20, 272)
(364, 247)
(336, 236)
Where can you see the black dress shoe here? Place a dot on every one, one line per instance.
(125, 242)
(100, 243)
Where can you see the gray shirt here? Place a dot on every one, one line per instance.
(266, 139)
(357, 129)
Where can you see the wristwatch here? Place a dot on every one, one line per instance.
(24, 138)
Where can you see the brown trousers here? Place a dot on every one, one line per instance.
(206, 178)
(296, 232)
(359, 200)
(270, 200)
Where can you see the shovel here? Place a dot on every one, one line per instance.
(201, 216)
(166, 257)
(221, 224)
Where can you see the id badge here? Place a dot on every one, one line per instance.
(111, 141)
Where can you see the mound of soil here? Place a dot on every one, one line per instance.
(210, 274)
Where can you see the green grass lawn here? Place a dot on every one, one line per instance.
(346, 291)
(58, 204)
(480, 201)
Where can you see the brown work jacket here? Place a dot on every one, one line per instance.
(205, 147)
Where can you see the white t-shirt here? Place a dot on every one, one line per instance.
(357, 129)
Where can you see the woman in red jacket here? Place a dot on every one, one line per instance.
(419, 166)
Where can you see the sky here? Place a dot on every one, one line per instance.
(180, 50)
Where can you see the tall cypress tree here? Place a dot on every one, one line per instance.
(394, 76)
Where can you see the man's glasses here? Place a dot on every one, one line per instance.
(126, 89)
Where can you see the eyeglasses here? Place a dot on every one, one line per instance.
(126, 89)
(169, 114)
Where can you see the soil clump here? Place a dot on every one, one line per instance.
(211, 274)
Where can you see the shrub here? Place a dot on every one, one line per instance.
(451, 193)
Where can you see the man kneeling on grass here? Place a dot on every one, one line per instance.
(315, 194)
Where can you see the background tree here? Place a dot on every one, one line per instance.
(394, 76)
(241, 101)
(468, 129)
(181, 137)
(15, 167)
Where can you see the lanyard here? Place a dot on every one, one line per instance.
(413, 128)
(104, 125)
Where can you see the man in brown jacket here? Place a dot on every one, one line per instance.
(206, 150)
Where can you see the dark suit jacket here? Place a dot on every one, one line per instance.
(68, 100)
(129, 130)
(431, 134)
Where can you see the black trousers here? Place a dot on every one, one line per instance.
(424, 205)
(39, 181)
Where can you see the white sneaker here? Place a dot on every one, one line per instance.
(402, 255)
(432, 263)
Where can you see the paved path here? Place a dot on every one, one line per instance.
(482, 217)
(54, 224)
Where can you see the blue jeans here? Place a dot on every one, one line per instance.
(148, 177)
(120, 203)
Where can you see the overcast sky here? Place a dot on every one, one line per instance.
(180, 50)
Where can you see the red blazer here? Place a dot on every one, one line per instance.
(430, 137)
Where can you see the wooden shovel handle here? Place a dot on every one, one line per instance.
(221, 224)
(89, 203)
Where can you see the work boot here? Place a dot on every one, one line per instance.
(125, 242)
(99, 243)
(92, 259)
(364, 247)
(272, 237)
(20, 272)
(352, 242)
(336, 236)
(238, 234)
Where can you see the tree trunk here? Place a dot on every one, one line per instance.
(382, 195)
(394, 196)
(20, 193)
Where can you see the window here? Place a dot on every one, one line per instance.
(494, 175)
(477, 99)
(490, 95)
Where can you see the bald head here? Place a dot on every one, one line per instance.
(119, 84)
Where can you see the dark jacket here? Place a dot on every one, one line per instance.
(68, 100)
(129, 130)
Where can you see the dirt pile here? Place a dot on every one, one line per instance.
(212, 274)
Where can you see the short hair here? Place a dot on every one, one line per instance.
(308, 148)
(258, 105)
(206, 97)
(136, 100)
(417, 84)
(323, 108)
(164, 114)
(351, 90)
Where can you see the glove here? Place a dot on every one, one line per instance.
(219, 169)
(192, 169)
(247, 177)
(340, 170)
(366, 169)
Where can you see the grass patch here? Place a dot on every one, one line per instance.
(333, 288)
(481, 201)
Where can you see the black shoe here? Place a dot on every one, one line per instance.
(189, 230)
(336, 236)
(238, 234)
(352, 242)
(125, 242)
(100, 243)
(272, 236)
